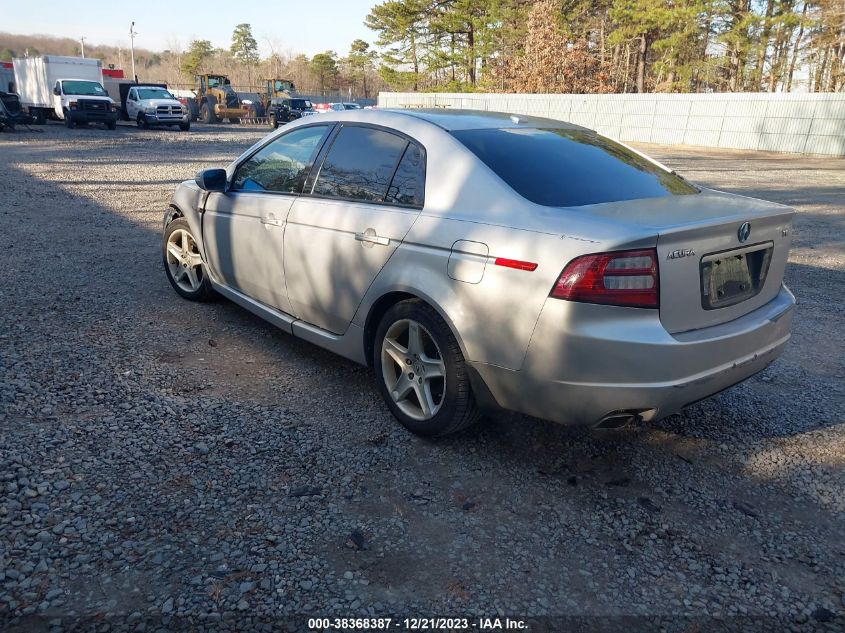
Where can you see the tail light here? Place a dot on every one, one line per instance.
(621, 278)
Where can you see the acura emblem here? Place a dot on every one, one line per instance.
(744, 231)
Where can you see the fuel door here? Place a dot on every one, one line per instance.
(467, 261)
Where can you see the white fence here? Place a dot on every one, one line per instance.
(805, 123)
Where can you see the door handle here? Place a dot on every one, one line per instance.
(270, 220)
(369, 236)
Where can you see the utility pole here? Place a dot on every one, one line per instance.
(82, 41)
(132, 35)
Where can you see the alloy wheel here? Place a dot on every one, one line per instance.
(184, 261)
(413, 369)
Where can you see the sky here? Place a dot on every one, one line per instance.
(309, 26)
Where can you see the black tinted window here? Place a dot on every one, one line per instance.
(568, 168)
(408, 184)
(360, 164)
(281, 165)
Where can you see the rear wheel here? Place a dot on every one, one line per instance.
(38, 116)
(274, 123)
(183, 262)
(421, 371)
(112, 125)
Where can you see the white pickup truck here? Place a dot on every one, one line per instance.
(65, 88)
(152, 105)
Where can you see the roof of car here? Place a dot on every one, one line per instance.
(453, 120)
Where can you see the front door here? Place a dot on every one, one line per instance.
(132, 104)
(363, 201)
(243, 229)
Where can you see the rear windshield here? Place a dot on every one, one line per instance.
(300, 104)
(570, 168)
(83, 88)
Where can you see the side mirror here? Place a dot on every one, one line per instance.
(211, 180)
(57, 91)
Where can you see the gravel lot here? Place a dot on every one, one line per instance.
(180, 465)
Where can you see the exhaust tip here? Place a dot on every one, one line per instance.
(617, 420)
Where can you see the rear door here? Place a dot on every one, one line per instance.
(349, 221)
(243, 228)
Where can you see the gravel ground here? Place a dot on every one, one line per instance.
(189, 466)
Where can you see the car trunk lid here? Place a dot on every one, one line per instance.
(720, 256)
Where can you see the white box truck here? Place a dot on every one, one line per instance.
(66, 88)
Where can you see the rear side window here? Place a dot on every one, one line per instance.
(360, 164)
(408, 184)
(570, 168)
(283, 164)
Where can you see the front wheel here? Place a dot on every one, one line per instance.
(185, 126)
(112, 125)
(69, 123)
(421, 371)
(141, 121)
(183, 262)
(207, 114)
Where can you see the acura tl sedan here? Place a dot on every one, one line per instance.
(478, 260)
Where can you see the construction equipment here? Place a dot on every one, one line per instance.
(216, 99)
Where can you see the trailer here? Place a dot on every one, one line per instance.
(66, 88)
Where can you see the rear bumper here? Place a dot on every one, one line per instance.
(585, 362)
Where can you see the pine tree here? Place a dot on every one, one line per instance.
(244, 48)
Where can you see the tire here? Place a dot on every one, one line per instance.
(193, 110)
(69, 123)
(451, 404)
(185, 126)
(274, 123)
(38, 116)
(207, 114)
(112, 125)
(141, 121)
(192, 288)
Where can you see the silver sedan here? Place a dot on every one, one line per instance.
(478, 260)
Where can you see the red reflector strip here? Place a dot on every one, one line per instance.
(515, 263)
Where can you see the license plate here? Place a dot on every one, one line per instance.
(730, 277)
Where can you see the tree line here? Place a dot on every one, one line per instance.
(581, 46)
(326, 73)
(562, 46)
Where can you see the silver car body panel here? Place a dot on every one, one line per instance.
(307, 270)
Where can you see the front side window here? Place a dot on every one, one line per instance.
(570, 167)
(281, 165)
(84, 89)
(360, 164)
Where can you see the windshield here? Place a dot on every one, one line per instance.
(83, 88)
(300, 104)
(283, 86)
(570, 167)
(154, 93)
(351, 106)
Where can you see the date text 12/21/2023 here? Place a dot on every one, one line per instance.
(416, 624)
